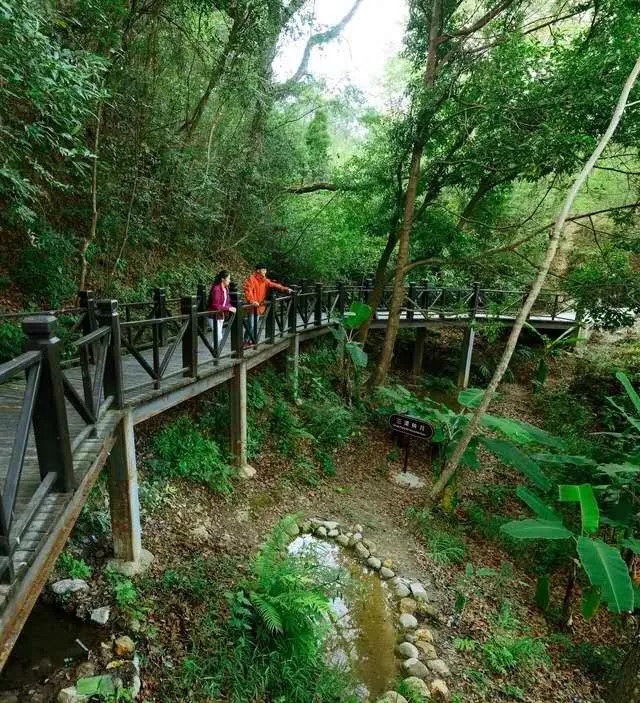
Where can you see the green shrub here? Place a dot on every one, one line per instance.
(445, 546)
(505, 652)
(11, 339)
(184, 452)
(74, 568)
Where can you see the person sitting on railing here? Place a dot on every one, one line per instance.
(220, 301)
(255, 293)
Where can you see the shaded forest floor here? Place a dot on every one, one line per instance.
(496, 642)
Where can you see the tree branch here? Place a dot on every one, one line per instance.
(313, 41)
(312, 188)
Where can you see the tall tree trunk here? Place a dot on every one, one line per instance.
(379, 281)
(397, 298)
(453, 463)
(84, 266)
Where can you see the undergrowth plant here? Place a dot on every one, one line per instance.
(183, 451)
(73, 567)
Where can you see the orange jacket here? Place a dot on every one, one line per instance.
(256, 287)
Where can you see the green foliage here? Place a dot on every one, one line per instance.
(11, 339)
(184, 452)
(445, 546)
(504, 653)
(73, 567)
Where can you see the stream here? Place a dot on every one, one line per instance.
(363, 636)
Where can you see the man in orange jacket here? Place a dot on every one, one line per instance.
(256, 288)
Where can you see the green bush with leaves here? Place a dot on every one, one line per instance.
(183, 451)
(73, 567)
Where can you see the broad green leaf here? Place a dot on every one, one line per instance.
(522, 432)
(539, 507)
(606, 569)
(544, 458)
(590, 602)
(357, 315)
(470, 397)
(357, 353)
(633, 421)
(589, 511)
(338, 332)
(512, 456)
(632, 544)
(536, 529)
(543, 592)
(631, 391)
(96, 685)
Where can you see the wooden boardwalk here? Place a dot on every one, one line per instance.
(42, 514)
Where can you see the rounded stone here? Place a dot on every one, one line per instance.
(392, 697)
(362, 551)
(330, 525)
(305, 527)
(402, 591)
(419, 593)
(410, 637)
(358, 528)
(124, 647)
(439, 667)
(321, 531)
(417, 686)
(386, 573)
(293, 530)
(439, 691)
(333, 533)
(374, 563)
(342, 540)
(427, 650)
(424, 634)
(69, 586)
(371, 546)
(408, 621)
(355, 539)
(101, 615)
(408, 605)
(415, 667)
(405, 650)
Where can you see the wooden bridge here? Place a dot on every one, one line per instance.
(68, 408)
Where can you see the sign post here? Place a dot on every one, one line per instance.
(410, 427)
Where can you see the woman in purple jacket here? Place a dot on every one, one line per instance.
(220, 301)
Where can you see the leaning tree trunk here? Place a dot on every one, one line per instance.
(379, 282)
(536, 287)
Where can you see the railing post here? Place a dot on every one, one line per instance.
(89, 323)
(50, 426)
(293, 313)
(189, 306)
(317, 312)
(113, 381)
(475, 300)
(426, 300)
(341, 298)
(411, 295)
(237, 332)
(270, 322)
(203, 304)
(368, 290)
(554, 310)
(160, 310)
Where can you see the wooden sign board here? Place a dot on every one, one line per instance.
(411, 426)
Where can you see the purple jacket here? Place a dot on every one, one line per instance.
(217, 302)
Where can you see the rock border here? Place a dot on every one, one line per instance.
(416, 651)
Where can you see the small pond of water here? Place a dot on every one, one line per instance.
(48, 641)
(363, 636)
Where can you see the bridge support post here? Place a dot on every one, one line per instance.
(293, 366)
(418, 351)
(465, 359)
(238, 402)
(129, 557)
